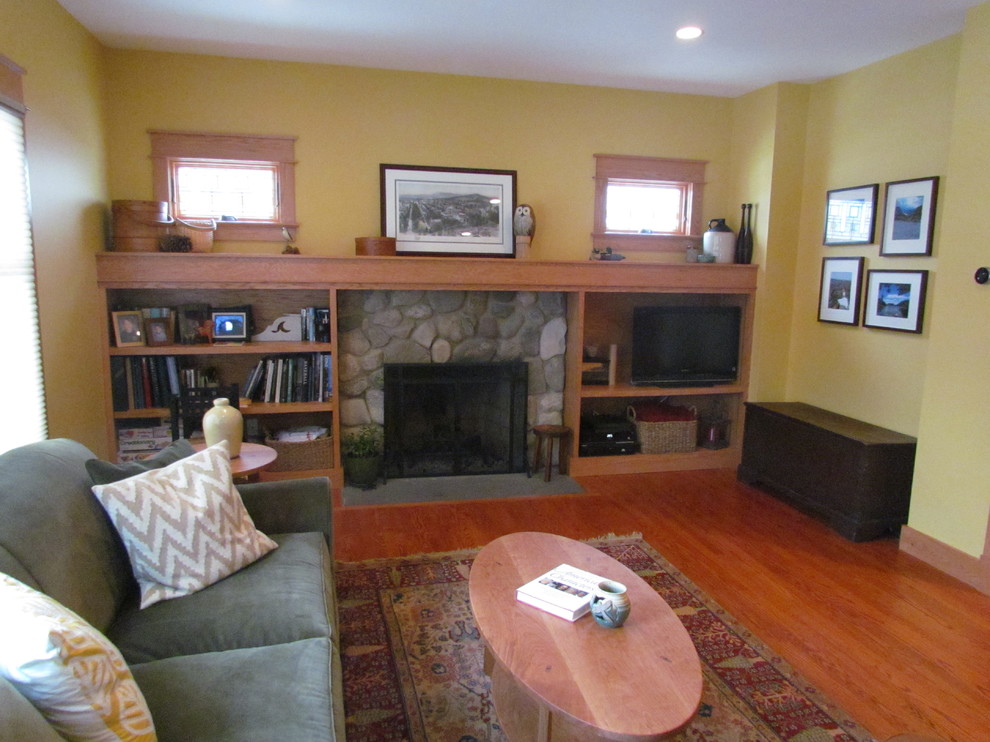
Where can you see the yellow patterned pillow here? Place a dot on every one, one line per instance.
(184, 526)
(72, 673)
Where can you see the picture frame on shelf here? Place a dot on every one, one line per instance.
(195, 323)
(158, 331)
(230, 327)
(128, 329)
(909, 217)
(464, 212)
(895, 300)
(850, 215)
(840, 290)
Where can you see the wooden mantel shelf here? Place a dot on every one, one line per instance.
(240, 270)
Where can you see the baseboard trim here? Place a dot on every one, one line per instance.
(970, 569)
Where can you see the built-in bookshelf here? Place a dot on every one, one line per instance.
(600, 298)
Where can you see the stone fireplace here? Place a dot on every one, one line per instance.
(383, 327)
(455, 418)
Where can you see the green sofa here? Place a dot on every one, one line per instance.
(252, 657)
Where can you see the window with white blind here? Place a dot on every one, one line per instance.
(24, 418)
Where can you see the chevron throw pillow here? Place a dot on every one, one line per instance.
(184, 526)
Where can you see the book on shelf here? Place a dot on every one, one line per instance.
(564, 591)
(302, 377)
(315, 323)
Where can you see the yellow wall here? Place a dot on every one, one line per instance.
(951, 494)
(767, 161)
(781, 148)
(885, 122)
(66, 161)
(350, 120)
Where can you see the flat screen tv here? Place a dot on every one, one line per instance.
(685, 345)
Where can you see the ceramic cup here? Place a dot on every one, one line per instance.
(610, 604)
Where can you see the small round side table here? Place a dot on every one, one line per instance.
(254, 458)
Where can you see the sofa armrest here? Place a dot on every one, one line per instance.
(19, 719)
(291, 506)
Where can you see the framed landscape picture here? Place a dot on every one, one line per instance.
(839, 294)
(909, 217)
(850, 215)
(448, 211)
(895, 300)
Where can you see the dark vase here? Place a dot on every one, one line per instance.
(744, 242)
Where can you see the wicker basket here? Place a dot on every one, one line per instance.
(199, 231)
(302, 455)
(674, 436)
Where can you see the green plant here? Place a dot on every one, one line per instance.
(365, 442)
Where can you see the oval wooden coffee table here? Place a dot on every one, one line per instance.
(557, 680)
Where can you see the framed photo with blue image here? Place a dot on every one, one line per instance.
(909, 217)
(841, 288)
(895, 300)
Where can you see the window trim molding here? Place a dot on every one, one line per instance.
(661, 169)
(166, 145)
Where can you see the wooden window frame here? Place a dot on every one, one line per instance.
(678, 172)
(170, 146)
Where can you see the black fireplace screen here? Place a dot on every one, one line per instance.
(455, 418)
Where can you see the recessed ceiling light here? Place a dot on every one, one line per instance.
(689, 32)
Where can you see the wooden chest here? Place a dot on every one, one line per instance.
(854, 476)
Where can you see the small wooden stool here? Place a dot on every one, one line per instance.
(550, 433)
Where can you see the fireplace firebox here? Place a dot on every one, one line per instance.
(444, 419)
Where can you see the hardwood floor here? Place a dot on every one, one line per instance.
(899, 645)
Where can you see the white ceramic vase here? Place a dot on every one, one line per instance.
(224, 423)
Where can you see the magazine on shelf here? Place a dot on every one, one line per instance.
(564, 591)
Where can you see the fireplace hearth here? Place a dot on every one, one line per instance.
(446, 419)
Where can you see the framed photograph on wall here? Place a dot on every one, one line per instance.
(128, 329)
(448, 211)
(840, 291)
(850, 215)
(909, 217)
(895, 300)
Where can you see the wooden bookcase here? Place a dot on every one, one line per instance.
(600, 297)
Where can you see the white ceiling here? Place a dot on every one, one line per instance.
(615, 43)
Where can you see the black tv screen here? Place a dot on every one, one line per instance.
(685, 345)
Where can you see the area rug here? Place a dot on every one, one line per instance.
(449, 489)
(412, 658)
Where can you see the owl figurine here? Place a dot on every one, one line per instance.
(524, 221)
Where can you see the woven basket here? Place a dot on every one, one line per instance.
(675, 436)
(199, 231)
(302, 455)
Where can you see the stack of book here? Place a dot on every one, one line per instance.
(564, 591)
(302, 377)
(140, 382)
(135, 443)
(315, 324)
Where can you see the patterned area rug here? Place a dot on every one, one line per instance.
(412, 658)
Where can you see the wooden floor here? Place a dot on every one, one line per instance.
(900, 646)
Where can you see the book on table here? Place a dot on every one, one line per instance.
(564, 591)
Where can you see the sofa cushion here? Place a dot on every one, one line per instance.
(73, 675)
(104, 472)
(280, 692)
(45, 500)
(184, 526)
(285, 596)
